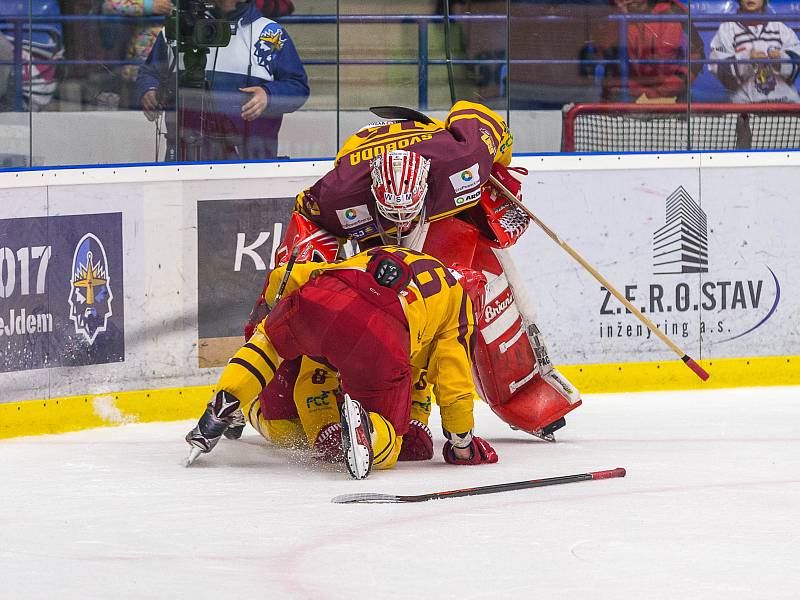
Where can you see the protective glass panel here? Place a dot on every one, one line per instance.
(19, 46)
(90, 109)
(382, 48)
(745, 96)
(479, 52)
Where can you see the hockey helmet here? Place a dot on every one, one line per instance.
(399, 185)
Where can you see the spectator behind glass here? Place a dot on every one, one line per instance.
(253, 81)
(40, 41)
(142, 40)
(275, 9)
(664, 82)
(740, 41)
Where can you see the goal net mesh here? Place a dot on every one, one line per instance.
(674, 127)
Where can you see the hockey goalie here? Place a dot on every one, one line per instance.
(432, 186)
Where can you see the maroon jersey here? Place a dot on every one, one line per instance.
(461, 150)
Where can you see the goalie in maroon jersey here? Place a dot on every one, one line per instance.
(425, 185)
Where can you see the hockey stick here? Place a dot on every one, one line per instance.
(285, 278)
(477, 491)
(690, 362)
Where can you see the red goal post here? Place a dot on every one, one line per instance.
(674, 127)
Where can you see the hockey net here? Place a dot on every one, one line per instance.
(675, 127)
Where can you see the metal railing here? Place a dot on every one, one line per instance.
(23, 24)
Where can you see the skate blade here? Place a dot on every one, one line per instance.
(550, 437)
(194, 452)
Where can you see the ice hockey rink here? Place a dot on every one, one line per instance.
(710, 508)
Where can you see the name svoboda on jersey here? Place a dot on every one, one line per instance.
(21, 323)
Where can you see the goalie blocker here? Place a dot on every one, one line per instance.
(512, 368)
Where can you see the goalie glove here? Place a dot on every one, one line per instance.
(481, 452)
(506, 220)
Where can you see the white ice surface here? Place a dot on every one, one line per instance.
(710, 509)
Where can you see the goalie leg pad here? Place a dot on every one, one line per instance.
(535, 406)
(511, 366)
(509, 370)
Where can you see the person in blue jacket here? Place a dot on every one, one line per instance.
(252, 82)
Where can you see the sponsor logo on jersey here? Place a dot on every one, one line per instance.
(508, 140)
(270, 41)
(354, 216)
(466, 179)
(487, 139)
(364, 231)
(90, 288)
(320, 401)
(467, 198)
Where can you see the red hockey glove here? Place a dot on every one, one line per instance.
(417, 442)
(328, 445)
(482, 453)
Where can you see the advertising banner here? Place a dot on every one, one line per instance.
(709, 271)
(236, 240)
(61, 291)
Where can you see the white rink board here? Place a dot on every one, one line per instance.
(606, 207)
(738, 308)
(159, 248)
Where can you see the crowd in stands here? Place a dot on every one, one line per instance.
(744, 60)
(106, 84)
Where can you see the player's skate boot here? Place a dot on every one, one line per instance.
(235, 429)
(209, 429)
(356, 438)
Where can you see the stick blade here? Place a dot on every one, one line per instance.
(194, 452)
(400, 113)
(366, 498)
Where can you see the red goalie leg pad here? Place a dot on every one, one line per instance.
(504, 361)
(534, 406)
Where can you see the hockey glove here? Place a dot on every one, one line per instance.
(328, 445)
(481, 453)
(417, 442)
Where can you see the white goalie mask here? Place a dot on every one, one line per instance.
(399, 185)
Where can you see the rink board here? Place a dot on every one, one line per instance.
(701, 243)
